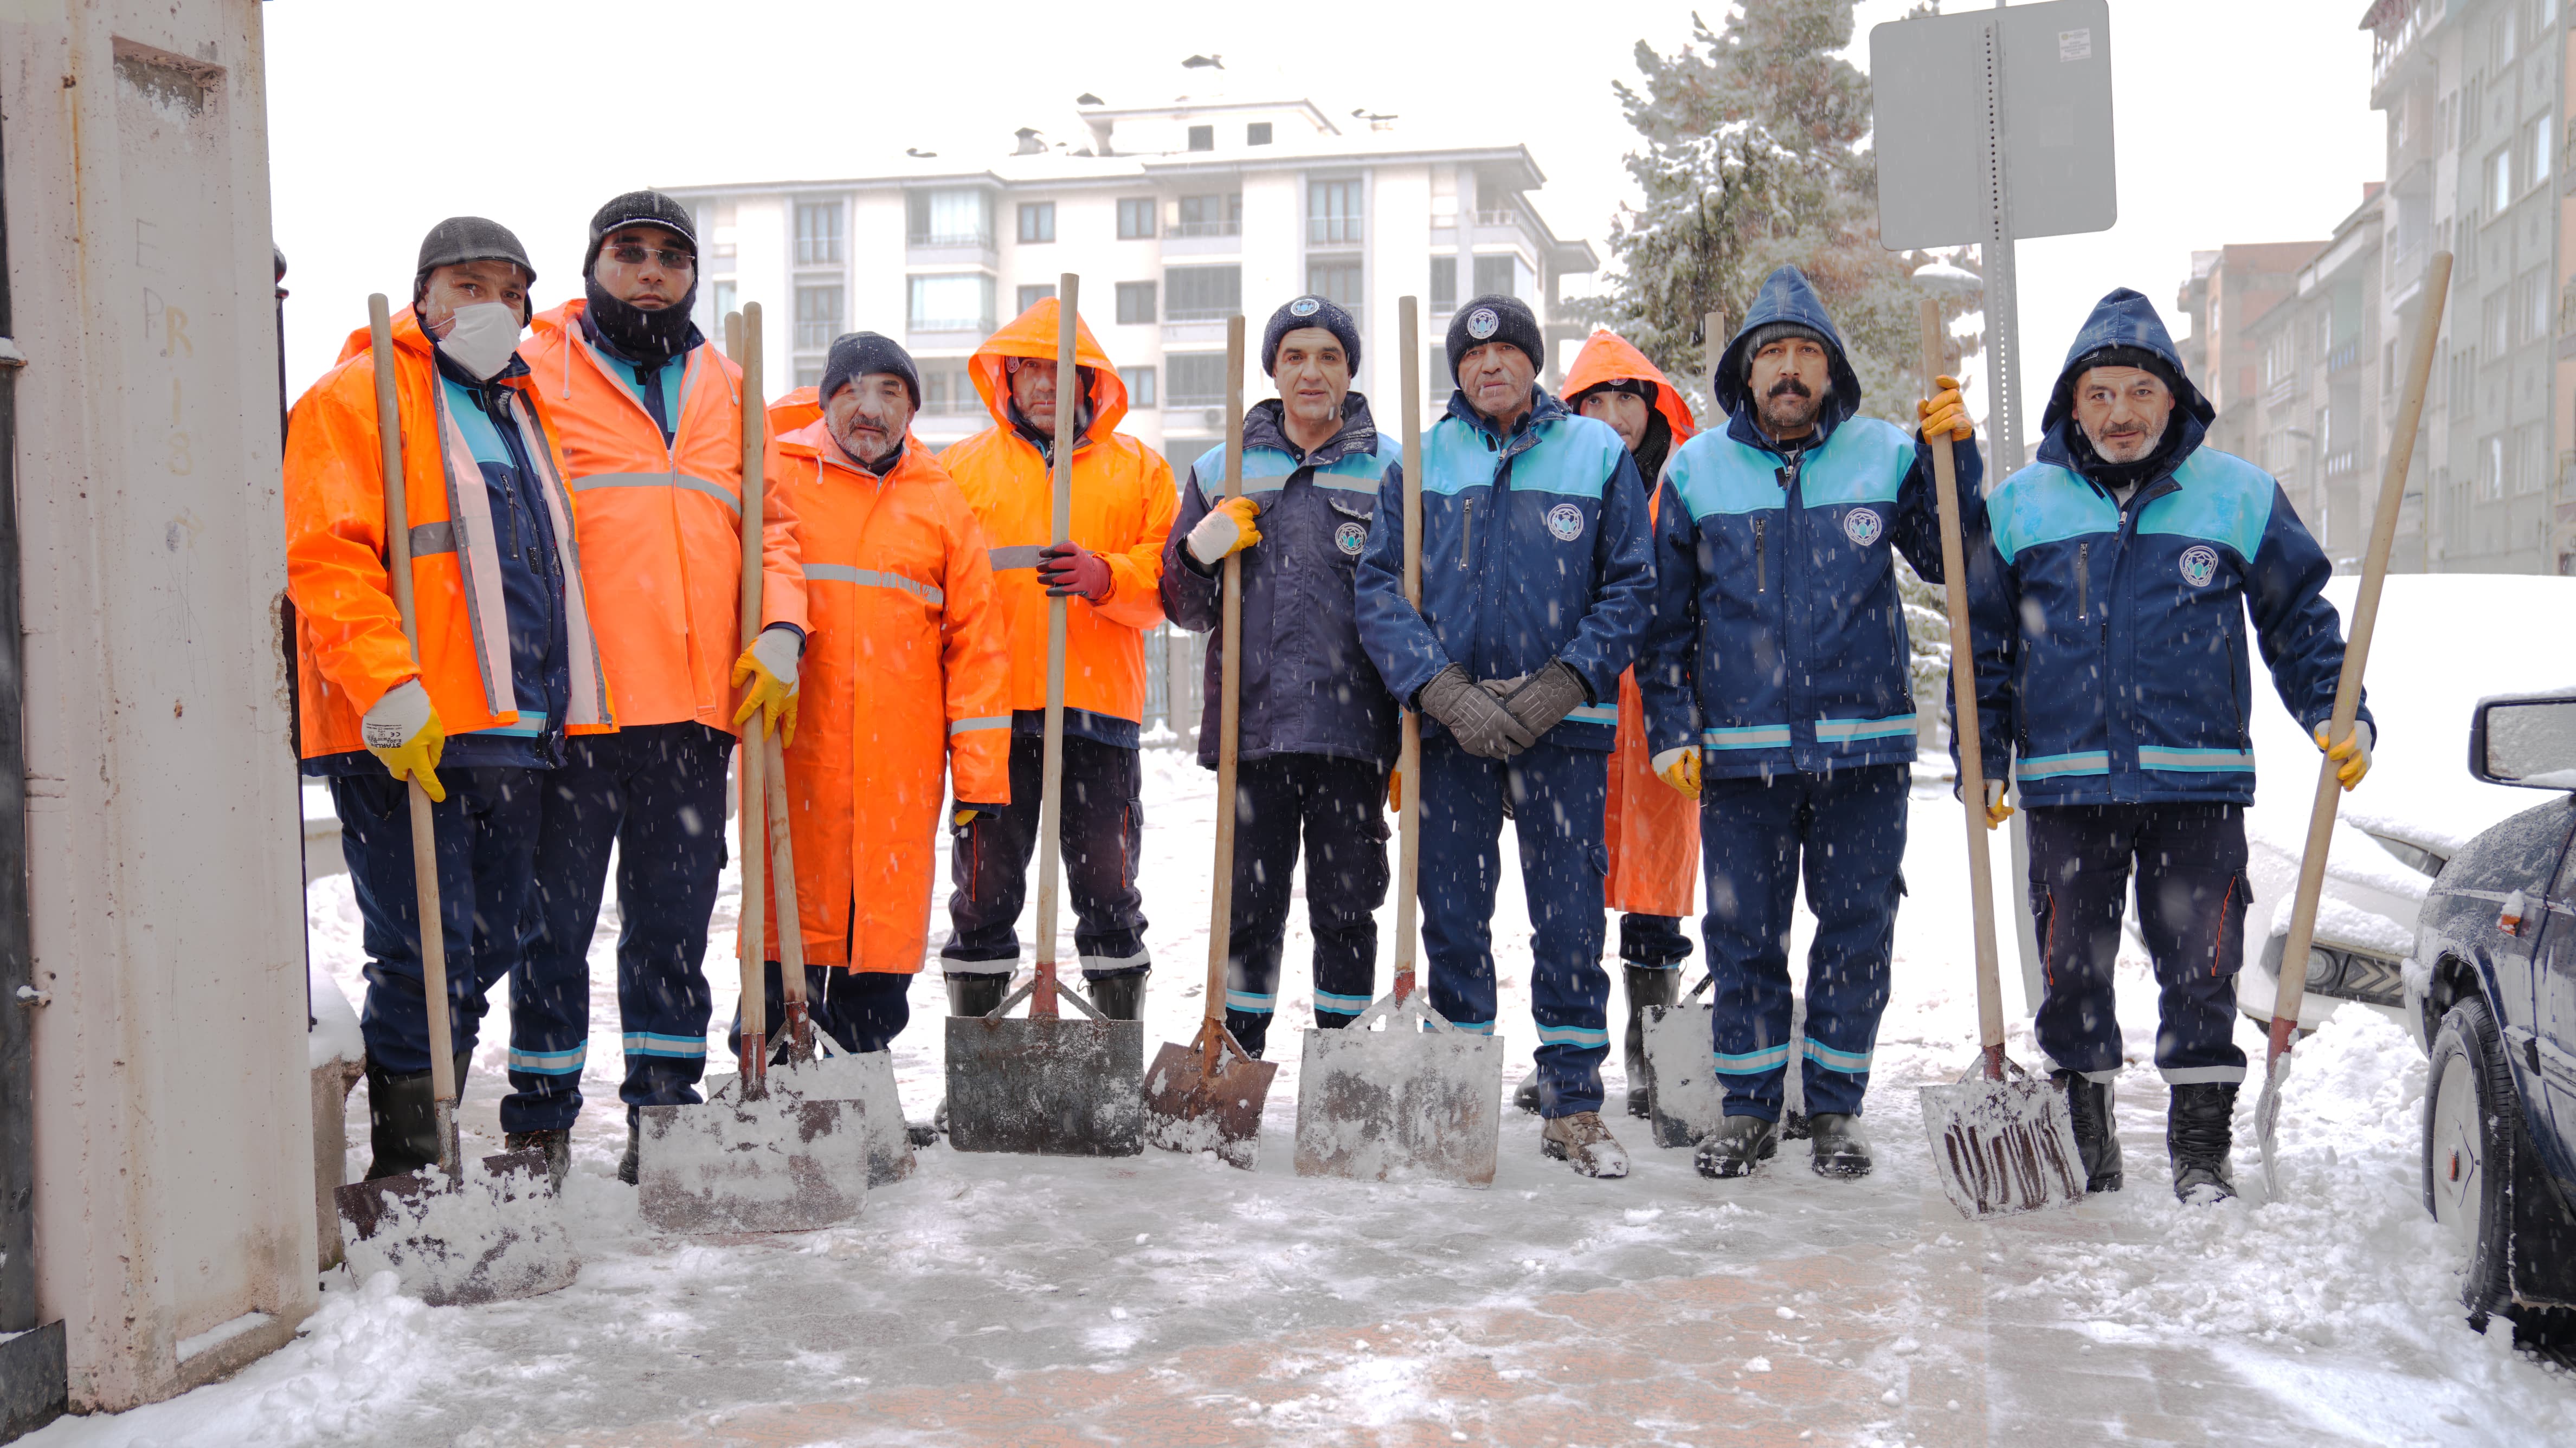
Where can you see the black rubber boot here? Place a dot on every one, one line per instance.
(556, 1143)
(1739, 1144)
(2197, 1137)
(2097, 1136)
(1525, 1095)
(1840, 1150)
(628, 1166)
(402, 1118)
(1647, 986)
(1120, 997)
(976, 994)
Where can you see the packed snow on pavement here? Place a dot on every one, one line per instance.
(1173, 1299)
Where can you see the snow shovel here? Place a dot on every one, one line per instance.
(2002, 1141)
(522, 1254)
(1687, 1100)
(753, 1159)
(1418, 1098)
(1207, 1095)
(2356, 655)
(1047, 1083)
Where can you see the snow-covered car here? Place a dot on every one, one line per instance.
(2492, 991)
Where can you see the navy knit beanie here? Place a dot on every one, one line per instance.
(640, 208)
(856, 354)
(1309, 311)
(1495, 318)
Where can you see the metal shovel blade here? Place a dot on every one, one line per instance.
(2003, 1147)
(1400, 1103)
(484, 1239)
(1688, 1099)
(1047, 1085)
(867, 1081)
(1189, 1108)
(2267, 1122)
(784, 1163)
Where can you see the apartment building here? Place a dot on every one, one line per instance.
(2230, 289)
(2325, 370)
(1174, 216)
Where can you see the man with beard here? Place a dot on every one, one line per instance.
(1778, 692)
(651, 417)
(2109, 605)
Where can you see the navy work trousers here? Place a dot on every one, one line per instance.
(1338, 808)
(1844, 832)
(2190, 863)
(859, 1010)
(1556, 796)
(656, 792)
(1102, 832)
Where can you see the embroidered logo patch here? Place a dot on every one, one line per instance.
(1349, 537)
(1304, 307)
(1565, 521)
(2199, 565)
(1482, 323)
(1862, 526)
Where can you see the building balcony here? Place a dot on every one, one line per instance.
(2340, 465)
(934, 334)
(2397, 25)
(933, 249)
(2280, 393)
(1204, 228)
(2343, 358)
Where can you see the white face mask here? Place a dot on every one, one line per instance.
(481, 338)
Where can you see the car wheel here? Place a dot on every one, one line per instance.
(2472, 1119)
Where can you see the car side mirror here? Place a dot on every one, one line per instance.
(2527, 740)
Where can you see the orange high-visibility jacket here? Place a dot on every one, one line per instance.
(1653, 828)
(661, 539)
(906, 680)
(349, 640)
(1123, 502)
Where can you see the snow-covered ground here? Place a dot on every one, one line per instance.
(1172, 1300)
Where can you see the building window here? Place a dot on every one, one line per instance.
(1494, 276)
(2531, 305)
(1198, 378)
(2532, 474)
(809, 374)
(1335, 281)
(722, 297)
(1140, 387)
(960, 217)
(1037, 221)
(1333, 213)
(818, 233)
(934, 391)
(2536, 141)
(1135, 218)
(1211, 215)
(1031, 296)
(818, 317)
(1444, 284)
(1198, 294)
(1202, 138)
(2491, 466)
(2499, 182)
(2496, 314)
(1256, 133)
(959, 303)
(1135, 303)
(1436, 372)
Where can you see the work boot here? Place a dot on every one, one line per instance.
(1740, 1144)
(1647, 986)
(2097, 1137)
(630, 1166)
(2197, 1138)
(926, 1133)
(555, 1142)
(1525, 1095)
(1793, 1124)
(975, 994)
(402, 1120)
(1582, 1142)
(1120, 997)
(1840, 1150)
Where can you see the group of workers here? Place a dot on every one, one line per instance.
(1638, 642)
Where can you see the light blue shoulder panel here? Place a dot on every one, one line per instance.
(1455, 458)
(1714, 474)
(1575, 456)
(2044, 503)
(2223, 498)
(1265, 470)
(1865, 461)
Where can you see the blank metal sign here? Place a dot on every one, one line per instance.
(1929, 79)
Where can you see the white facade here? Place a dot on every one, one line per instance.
(1174, 217)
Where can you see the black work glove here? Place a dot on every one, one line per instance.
(1475, 718)
(1550, 694)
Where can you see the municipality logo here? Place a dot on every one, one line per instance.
(1349, 537)
(1565, 521)
(2199, 565)
(1863, 526)
(1482, 323)
(1304, 307)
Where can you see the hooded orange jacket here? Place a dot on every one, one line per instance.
(1123, 502)
(905, 684)
(660, 527)
(349, 640)
(1653, 828)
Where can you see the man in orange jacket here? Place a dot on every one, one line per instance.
(1111, 569)
(907, 686)
(651, 420)
(506, 666)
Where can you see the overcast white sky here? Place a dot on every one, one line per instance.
(2238, 120)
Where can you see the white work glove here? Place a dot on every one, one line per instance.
(1996, 810)
(1228, 528)
(403, 731)
(1679, 768)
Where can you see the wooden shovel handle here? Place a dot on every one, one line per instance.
(1229, 735)
(1068, 399)
(1408, 759)
(743, 341)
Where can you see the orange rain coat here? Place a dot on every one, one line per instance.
(349, 642)
(906, 680)
(660, 527)
(1123, 502)
(1653, 828)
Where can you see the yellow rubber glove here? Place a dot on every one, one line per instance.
(1679, 768)
(965, 816)
(2352, 756)
(1229, 527)
(403, 731)
(1395, 791)
(1996, 810)
(769, 667)
(1946, 412)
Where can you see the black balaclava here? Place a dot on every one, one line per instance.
(635, 334)
(1654, 447)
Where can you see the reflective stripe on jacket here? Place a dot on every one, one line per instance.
(905, 680)
(350, 645)
(660, 525)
